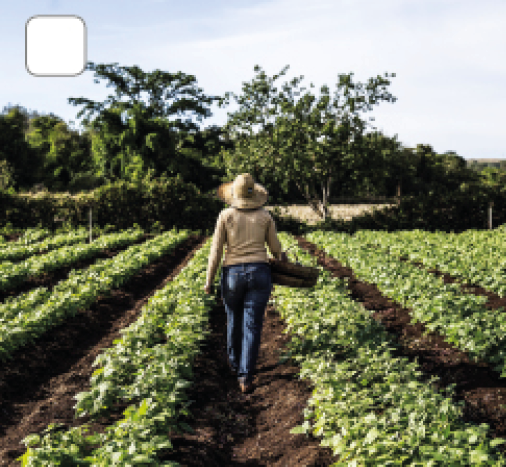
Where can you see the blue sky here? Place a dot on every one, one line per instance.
(448, 57)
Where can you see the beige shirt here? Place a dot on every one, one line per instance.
(245, 234)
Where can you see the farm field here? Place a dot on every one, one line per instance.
(346, 375)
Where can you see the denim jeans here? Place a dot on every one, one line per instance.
(245, 290)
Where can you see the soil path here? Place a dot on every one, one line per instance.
(235, 429)
(38, 386)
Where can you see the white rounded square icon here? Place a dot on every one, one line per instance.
(55, 45)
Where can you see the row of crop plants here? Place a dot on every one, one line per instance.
(413, 423)
(150, 366)
(20, 249)
(12, 274)
(472, 256)
(29, 236)
(368, 405)
(461, 318)
(28, 316)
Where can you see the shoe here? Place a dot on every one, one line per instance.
(246, 387)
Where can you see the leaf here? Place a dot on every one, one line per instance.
(300, 429)
(32, 440)
(142, 459)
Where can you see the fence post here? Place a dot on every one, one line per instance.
(90, 225)
(490, 215)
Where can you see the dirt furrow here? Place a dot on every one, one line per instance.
(494, 301)
(232, 429)
(38, 386)
(476, 384)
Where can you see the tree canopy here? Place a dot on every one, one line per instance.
(301, 146)
(308, 141)
(134, 136)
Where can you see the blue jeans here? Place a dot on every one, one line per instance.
(245, 290)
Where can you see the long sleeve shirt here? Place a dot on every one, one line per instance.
(244, 233)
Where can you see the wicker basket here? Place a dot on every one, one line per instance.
(293, 274)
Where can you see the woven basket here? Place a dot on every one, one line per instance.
(293, 274)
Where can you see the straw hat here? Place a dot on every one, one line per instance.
(243, 193)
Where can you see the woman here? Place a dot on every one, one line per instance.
(245, 275)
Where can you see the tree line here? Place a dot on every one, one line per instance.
(299, 145)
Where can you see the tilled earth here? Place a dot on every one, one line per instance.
(38, 385)
(235, 429)
(476, 384)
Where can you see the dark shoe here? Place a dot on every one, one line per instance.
(246, 386)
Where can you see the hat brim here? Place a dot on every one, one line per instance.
(259, 198)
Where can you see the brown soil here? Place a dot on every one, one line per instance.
(235, 429)
(12, 237)
(37, 387)
(477, 384)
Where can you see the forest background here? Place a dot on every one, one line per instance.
(302, 147)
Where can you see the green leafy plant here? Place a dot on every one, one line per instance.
(368, 406)
(143, 368)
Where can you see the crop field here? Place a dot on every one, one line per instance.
(112, 354)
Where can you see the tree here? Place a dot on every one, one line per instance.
(59, 149)
(14, 149)
(309, 141)
(430, 173)
(386, 164)
(209, 142)
(204, 164)
(493, 179)
(6, 172)
(48, 138)
(131, 136)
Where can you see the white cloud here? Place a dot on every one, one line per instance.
(447, 56)
(238, 41)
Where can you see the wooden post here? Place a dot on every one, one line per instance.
(90, 226)
(490, 215)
